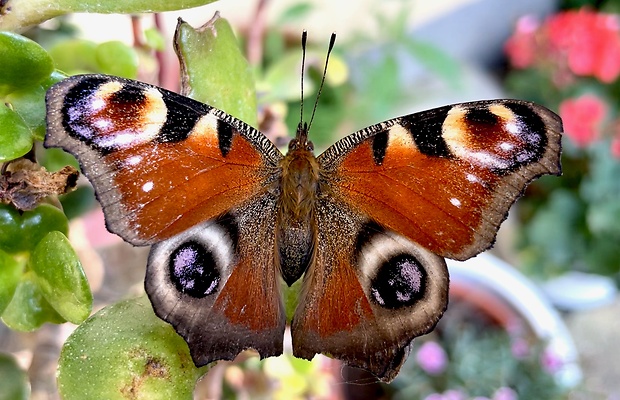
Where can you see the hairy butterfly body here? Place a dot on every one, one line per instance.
(367, 223)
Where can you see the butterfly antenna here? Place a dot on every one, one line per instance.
(332, 41)
(304, 39)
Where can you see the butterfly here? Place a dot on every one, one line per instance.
(366, 224)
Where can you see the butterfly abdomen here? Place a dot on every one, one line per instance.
(296, 234)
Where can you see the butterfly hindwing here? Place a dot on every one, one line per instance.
(151, 153)
(218, 285)
(445, 178)
(368, 294)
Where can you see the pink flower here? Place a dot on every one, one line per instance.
(520, 348)
(550, 362)
(453, 394)
(432, 358)
(447, 395)
(582, 117)
(505, 393)
(615, 147)
(521, 46)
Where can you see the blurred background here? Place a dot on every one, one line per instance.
(537, 318)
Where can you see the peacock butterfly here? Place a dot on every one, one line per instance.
(367, 223)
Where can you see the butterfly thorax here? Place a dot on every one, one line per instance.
(296, 215)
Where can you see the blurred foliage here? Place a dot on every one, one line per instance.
(468, 357)
(611, 6)
(571, 62)
(15, 385)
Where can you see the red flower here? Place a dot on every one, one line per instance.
(615, 147)
(582, 117)
(584, 41)
(590, 41)
(521, 46)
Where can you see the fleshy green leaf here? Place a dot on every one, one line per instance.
(24, 62)
(28, 309)
(35, 224)
(10, 229)
(22, 232)
(75, 56)
(116, 58)
(15, 136)
(214, 70)
(31, 12)
(11, 270)
(15, 385)
(60, 277)
(154, 39)
(125, 352)
(29, 104)
(55, 77)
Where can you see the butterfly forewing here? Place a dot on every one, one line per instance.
(160, 162)
(445, 178)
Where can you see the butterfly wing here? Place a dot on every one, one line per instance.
(160, 162)
(369, 292)
(195, 182)
(396, 198)
(446, 178)
(217, 284)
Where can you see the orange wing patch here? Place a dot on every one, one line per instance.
(433, 201)
(205, 184)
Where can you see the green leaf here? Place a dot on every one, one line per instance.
(31, 12)
(75, 56)
(155, 39)
(125, 352)
(11, 270)
(22, 232)
(10, 229)
(603, 217)
(60, 277)
(78, 202)
(118, 59)
(294, 12)
(282, 79)
(15, 136)
(214, 70)
(29, 104)
(28, 309)
(435, 61)
(54, 78)
(15, 384)
(24, 62)
(54, 159)
(291, 298)
(553, 230)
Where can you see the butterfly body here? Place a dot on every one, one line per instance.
(365, 225)
(299, 188)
